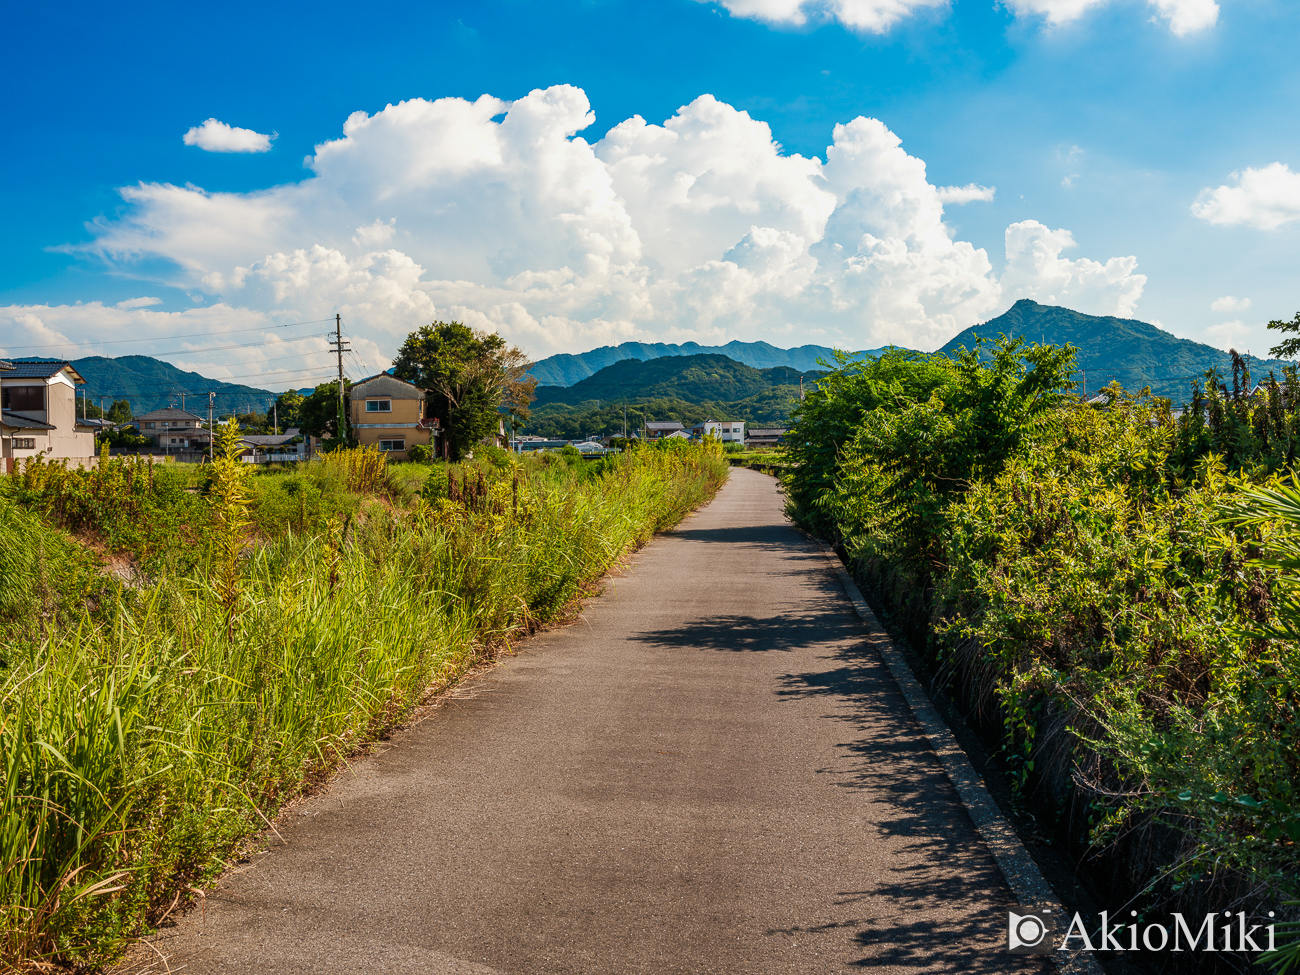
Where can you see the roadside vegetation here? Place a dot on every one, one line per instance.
(187, 649)
(1110, 592)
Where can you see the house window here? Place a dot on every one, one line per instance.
(24, 398)
(392, 444)
(24, 443)
(379, 406)
(148, 426)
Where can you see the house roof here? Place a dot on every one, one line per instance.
(767, 431)
(170, 413)
(663, 425)
(269, 441)
(43, 369)
(385, 385)
(6, 366)
(18, 422)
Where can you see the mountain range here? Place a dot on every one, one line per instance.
(565, 369)
(748, 380)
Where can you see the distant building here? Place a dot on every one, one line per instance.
(728, 431)
(38, 414)
(765, 436)
(658, 429)
(389, 413)
(173, 431)
(282, 449)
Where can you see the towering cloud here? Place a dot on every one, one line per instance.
(502, 215)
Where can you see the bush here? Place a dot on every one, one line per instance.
(419, 453)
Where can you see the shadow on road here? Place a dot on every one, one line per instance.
(937, 916)
(755, 634)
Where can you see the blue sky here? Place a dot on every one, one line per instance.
(1101, 138)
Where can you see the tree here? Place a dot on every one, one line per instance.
(1287, 348)
(120, 411)
(469, 375)
(289, 408)
(318, 415)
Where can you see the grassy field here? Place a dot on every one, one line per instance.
(187, 649)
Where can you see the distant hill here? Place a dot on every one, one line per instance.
(693, 379)
(686, 388)
(151, 384)
(1132, 352)
(565, 370)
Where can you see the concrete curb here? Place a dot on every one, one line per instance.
(1018, 867)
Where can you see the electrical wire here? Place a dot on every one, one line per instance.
(184, 335)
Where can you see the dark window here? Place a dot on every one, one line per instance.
(379, 406)
(393, 444)
(24, 399)
(24, 443)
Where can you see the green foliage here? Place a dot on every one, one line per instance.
(469, 375)
(1287, 348)
(139, 747)
(288, 406)
(419, 453)
(1078, 571)
(123, 437)
(318, 414)
(120, 411)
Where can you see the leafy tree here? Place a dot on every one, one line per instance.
(319, 413)
(125, 437)
(469, 375)
(120, 411)
(289, 408)
(1287, 348)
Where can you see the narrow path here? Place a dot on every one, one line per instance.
(710, 773)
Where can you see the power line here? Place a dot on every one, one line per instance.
(184, 335)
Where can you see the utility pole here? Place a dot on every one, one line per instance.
(212, 396)
(182, 401)
(276, 407)
(625, 419)
(337, 342)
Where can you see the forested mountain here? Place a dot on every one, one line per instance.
(152, 384)
(565, 370)
(685, 388)
(1132, 352)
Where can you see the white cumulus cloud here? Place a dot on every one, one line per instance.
(214, 136)
(970, 193)
(1036, 269)
(1229, 303)
(502, 215)
(1267, 198)
(1182, 16)
(876, 16)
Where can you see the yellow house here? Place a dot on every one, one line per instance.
(389, 413)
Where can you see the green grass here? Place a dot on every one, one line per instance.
(147, 731)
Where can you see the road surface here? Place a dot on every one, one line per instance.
(711, 772)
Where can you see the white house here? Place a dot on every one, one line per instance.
(39, 414)
(728, 431)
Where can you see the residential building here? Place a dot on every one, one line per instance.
(728, 431)
(765, 436)
(173, 431)
(282, 449)
(389, 413)
(38, 414)
(658, 429)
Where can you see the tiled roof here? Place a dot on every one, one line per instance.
(170, 413)
(42, 369)
(24, 423)
(663, 425)
(269, 441)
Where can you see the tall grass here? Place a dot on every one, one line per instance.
(144, 737)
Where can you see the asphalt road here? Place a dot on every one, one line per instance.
(710, 772)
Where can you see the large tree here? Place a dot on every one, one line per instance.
(289, 407)
(318, 414)
(469, 376)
